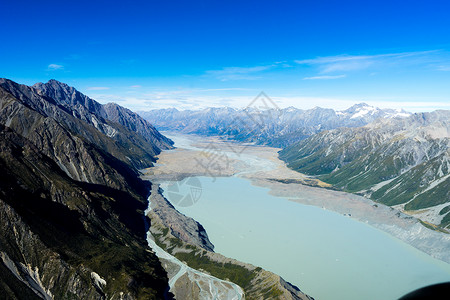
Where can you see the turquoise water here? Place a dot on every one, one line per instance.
(325, 254)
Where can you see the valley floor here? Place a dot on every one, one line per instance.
(213, 157)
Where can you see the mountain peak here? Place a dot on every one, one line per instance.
(360, 110)
(69, 96)
(360, 106)
(55, 82)
(290, 109)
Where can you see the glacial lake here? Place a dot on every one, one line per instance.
(327, 255)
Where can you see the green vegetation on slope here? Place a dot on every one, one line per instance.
(392, 163)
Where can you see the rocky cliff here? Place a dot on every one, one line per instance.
(181, 226)
(71, 201)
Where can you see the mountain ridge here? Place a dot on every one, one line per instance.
(69, 96)
(72, 202)
(272, 127)
(399, 162)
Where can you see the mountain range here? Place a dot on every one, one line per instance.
(265, 126)
(401, 162)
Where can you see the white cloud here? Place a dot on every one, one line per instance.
(97, 88)
(345, 63)
(325, 77)
(222, 89)
(137, 86)
(190, 99)
(412, 106)
(444, 68)
(53, 67)
(238, 73)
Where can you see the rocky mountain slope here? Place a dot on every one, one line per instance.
(267, 126)
(136, 123)
(71, 201)
(110, 119)
(399, 162)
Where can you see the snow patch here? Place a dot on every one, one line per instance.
(95, 122)
(100, 282)
(364, 111)
(109, 131)
(290, 109)
(400, 115)
(434, 184)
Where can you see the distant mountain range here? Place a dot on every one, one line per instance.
(273, 127)
(403, 162)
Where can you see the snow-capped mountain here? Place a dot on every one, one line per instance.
(274, 127)
(365, 111)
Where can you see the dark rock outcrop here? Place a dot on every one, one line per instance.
(181, 226)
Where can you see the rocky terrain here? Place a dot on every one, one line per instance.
(265, 124)
(125, 127)
(136, 123)
(71, 201)
(399, 162)
(181, 227)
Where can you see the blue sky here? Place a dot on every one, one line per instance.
(191, 54)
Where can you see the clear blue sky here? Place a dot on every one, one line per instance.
(151, 54)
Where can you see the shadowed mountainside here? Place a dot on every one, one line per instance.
(71, 201)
